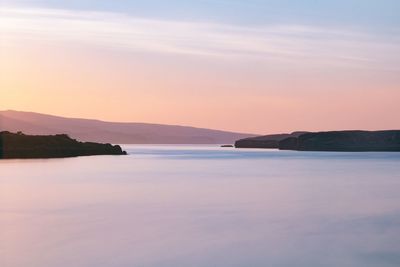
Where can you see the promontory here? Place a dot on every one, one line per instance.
(356, 141)
(21, 146)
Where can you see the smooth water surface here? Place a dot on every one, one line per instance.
(183, 206)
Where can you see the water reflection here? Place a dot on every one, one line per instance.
(201, 206)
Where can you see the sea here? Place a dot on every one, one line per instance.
(202, 206)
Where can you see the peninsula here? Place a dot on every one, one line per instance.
(355, 141)
(265, 141)
(21, 146)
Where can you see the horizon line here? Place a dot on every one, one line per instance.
(189, 126)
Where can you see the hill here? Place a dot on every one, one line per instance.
(388, 140)
(265, 141)
(344, 141)
(19, 145)
(112, 132)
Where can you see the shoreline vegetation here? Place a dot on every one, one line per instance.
(22, 146)
(346, 141)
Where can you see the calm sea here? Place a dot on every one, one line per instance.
(201, 206)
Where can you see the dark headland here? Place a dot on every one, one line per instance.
(21, 146)
(327, 141)
(265, 141)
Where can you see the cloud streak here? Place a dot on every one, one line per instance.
(295, 44)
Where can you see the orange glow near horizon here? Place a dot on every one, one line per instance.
(244, 94)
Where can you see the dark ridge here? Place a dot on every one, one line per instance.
(265, 141)
(344, 141)
(19, 145)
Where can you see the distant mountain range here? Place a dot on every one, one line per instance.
(113, 132)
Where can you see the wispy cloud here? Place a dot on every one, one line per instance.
(292, 43)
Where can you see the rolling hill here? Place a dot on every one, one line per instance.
(112, 132)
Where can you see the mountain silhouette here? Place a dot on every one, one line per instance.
(112, 132)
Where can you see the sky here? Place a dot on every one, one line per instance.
(250, 66)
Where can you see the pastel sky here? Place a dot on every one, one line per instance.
(251, 66)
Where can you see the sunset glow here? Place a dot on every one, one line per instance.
(121, 66)
(178, 133)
